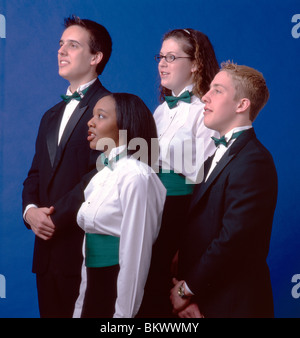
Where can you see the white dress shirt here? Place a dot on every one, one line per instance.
(70, 108)
(184, 141)
(126, 202)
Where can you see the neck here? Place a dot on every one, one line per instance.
(177, 92)
(108, 151)
(74, 85)
(224, 132)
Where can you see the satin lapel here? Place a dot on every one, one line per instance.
(205, 185)
(53, 129)
(227, 157)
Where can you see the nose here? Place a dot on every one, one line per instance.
(162, 65)
(62, 50)
(163, 62)
(205, 98)
(91, 123)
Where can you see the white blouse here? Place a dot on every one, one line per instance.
(126, 202)
(184, 141)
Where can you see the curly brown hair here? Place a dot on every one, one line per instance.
(199, 48)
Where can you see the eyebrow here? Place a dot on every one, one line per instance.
(167, 53)
(100, 110)
(217, 85)
(74, 41)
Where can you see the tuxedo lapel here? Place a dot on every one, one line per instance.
(78, 112)
(207, 165)
(227, 157)
(240, 142)
(74, 119)
(53, 129)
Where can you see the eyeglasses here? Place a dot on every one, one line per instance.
(169, 57)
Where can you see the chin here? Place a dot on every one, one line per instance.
(165, 84)
(210, 126)
(206, 123)
(65, 74)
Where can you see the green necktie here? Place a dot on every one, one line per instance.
(75, 95)
(172, 100)
(222, 140)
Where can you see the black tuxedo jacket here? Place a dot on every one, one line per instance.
(226, 241)
(57, 177)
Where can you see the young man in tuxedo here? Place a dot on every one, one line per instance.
(53, 189)
(222, 260)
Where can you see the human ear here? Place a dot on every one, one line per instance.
(96, 58)
(243, 105)
(194, 67)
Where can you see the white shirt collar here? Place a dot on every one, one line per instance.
(235, 130)
(116, 151)
(229, 135)
(81, 87)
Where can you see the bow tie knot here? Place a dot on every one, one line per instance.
(173, 100)
(76, 96)
(223, 141)
(105, 161)
(108, 163)
(219, 141)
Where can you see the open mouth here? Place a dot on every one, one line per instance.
(91, 136)
(63, 63)
(207, 110)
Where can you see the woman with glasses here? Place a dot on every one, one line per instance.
(186, 64)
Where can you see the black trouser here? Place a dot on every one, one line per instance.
(156, 302)
(57, 294)
(101, 292)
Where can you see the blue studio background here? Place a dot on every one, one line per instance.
(264, 34)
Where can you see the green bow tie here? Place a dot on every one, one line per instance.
(222, 140)
(172, 100)
(107, 163)
(75, 95)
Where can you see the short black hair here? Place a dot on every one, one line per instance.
(100, 40)
(135, 117)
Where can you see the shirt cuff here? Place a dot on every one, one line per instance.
(188, 289)
(27, 208)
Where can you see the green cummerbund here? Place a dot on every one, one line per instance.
(101, 250)
(175, 184)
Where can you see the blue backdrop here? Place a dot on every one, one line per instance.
(263, 34)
